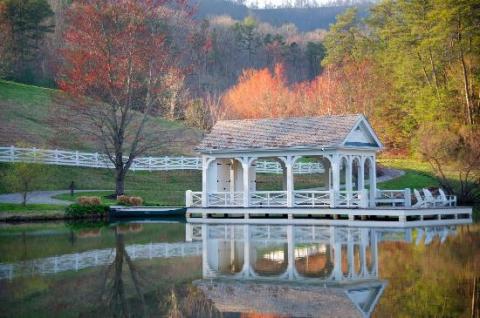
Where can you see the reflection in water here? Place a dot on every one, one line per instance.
(236, 270)
(113, 293)
(275, 268)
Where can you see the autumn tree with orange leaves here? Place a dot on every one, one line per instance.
(261, 93)
(116, 59)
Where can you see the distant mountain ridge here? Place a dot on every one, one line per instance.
(306, 19)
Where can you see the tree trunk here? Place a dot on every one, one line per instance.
(24, 198)
(120, 181)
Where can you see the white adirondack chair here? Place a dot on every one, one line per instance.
(447, 199)
(431, 200)
(421, 203)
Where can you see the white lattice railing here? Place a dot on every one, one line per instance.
(393, 198)
(351, 199)
(268, 198)
(97, 160)
(225, 199)
(312, 198)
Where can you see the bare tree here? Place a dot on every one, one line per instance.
(115, 60)
(454, 155)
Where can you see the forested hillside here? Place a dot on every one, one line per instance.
(304, 18)
(412, 67)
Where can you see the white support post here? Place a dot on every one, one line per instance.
(373, 182)
(246, 180)
(361, 175)
(349, 175)
(289, 166)
(188, 198)
(205, 165)
(408, 197)
(364, 198)
(335, 180)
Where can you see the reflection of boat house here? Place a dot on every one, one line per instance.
(344, 149)
(246, 268)
(328, 254)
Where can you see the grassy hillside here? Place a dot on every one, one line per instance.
(27, 114)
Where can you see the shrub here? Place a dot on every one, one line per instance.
(85, 201)
(80, 211)
(126, 200)
(123, 199)
(136, 201)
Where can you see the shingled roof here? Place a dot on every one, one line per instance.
(278, 133)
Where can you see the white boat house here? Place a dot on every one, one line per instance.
(342, 149)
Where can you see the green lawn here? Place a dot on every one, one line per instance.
(417, 174)
(30, 208)
(160, 187)
(168, 188)
(29, 116)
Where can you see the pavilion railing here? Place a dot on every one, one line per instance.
(351, 199)
(268, 199)
(312, 198)
(225, 199)
(394, 198)
(97, 160)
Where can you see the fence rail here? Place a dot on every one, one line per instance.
(98, 160)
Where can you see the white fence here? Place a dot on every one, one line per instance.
(97, 160)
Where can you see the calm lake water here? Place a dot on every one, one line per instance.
(183, 270)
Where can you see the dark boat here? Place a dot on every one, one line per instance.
(146, 212)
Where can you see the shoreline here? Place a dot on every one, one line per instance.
(60, 216)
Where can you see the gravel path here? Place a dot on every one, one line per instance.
(389, 174)
(40, 197)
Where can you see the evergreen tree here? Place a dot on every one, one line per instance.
(29, 22)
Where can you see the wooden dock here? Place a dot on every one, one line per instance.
(372, 217)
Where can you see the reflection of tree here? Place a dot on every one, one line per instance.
(114, 288)
(430, 281)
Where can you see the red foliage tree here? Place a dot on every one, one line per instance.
(261, 93)
(115, 59)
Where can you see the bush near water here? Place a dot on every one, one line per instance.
(129, 200)
(87, 206)
(80, 211)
